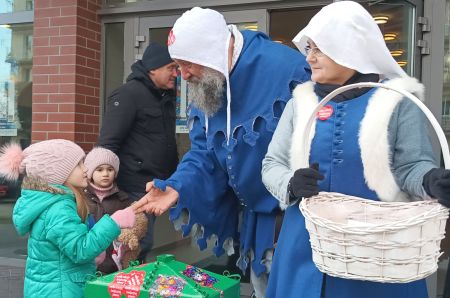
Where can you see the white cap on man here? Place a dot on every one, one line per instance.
(201, 36)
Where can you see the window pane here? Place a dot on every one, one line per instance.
(16, 5)
(286, 23)
(396, 21)
(114, 53)
(16, 42)
(113, 3)
(247, 26)
(159, 35)
(446, 91)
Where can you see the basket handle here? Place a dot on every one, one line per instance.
(440, 133)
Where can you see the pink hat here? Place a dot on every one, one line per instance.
(51, 160)
(100, 156)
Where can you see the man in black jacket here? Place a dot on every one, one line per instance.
(139, 126)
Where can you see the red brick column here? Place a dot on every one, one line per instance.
(66, 71)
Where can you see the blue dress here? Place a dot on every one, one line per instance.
(215, 180)
(335, 147)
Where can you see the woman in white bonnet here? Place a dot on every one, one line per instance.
(369, 143)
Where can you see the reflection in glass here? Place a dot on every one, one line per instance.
(16, 48)
(113, 3)
(247, 26)
(394, 17)
(286, 23)
(16, 44)
(159, 35)
(114, 56)
(16, 5)
(396, 22)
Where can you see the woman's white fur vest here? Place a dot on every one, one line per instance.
(372, 137)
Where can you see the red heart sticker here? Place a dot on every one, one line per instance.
(325, 113)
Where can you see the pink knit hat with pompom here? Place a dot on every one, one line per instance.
(51, 160)
(101, 156)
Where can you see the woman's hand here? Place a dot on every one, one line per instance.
(436, 183)
(304, 183)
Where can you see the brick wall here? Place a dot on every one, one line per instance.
(66, 71)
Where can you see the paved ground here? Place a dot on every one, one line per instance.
(11, 282)
(12, 260)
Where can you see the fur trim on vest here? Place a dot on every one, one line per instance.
(33, 183)
(373, 134)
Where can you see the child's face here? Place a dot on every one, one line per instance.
(78, 177)
(103, 176)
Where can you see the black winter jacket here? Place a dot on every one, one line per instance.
(139, 126)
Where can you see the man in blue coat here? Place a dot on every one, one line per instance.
(239, 83)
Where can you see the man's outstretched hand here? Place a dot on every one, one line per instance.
(156, 201)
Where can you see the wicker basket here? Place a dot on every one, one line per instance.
(356, 238)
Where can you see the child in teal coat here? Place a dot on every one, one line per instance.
(51, 209)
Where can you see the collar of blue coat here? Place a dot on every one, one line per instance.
(261, 65)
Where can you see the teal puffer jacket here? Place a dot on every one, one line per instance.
(61, 248)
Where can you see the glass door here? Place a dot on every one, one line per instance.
(16, 44)
(156, 29)
(443, 273)
(396, 20)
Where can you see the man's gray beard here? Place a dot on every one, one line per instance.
(206, 93)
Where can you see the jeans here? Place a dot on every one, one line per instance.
(146, 243)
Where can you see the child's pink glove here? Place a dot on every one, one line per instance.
(124, 218)
(100, 258)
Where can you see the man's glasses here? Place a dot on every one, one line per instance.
(313, 51)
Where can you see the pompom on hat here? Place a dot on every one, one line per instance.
(11, 156)
(51, 160)
(101, 156)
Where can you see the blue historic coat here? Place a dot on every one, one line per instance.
(335, 147)
(216, 181)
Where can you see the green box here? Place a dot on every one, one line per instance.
(166, 277)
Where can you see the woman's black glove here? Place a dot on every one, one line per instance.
(304, 183)
(436, 183)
